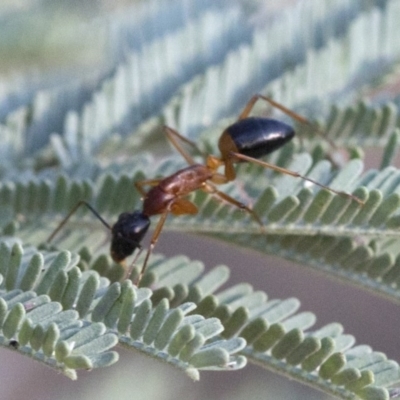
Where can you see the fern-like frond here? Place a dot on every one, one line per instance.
(277, 336)
(288, 205)
(326, 359)
(133, 93)
(35, 326)
(359, 125)
(312, 79)
(193, 65)
(373, 265)
(115, 107)
(85, 117)
(312, 225)
(97, 314)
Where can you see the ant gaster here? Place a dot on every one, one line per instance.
(246, 140)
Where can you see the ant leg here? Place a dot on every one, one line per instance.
(173, 136)
(153, 242)
(249, 106)
(211, 161)
(223, 196)
(296, 175)
(179, 206)
(149, 182)
(128, 271)
(297, 117)
(64, 221)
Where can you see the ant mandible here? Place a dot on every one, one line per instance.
(246, 140)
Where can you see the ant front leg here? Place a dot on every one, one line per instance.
(178, 206)
(73, 211)
(153, 242)
(128, 270)
(149, 182)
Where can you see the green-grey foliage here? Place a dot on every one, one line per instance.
(37, 286)
(67, 304)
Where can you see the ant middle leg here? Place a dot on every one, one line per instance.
(209, 188)
(175, 138)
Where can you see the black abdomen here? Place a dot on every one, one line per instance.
(256, 137)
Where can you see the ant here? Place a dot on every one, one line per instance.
(246, 140)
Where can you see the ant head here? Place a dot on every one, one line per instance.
(127, 233)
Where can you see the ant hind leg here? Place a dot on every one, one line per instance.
(296, 175)
(297, 117)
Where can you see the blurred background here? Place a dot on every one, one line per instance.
(69, 49)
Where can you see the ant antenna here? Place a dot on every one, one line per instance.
(73, 211)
